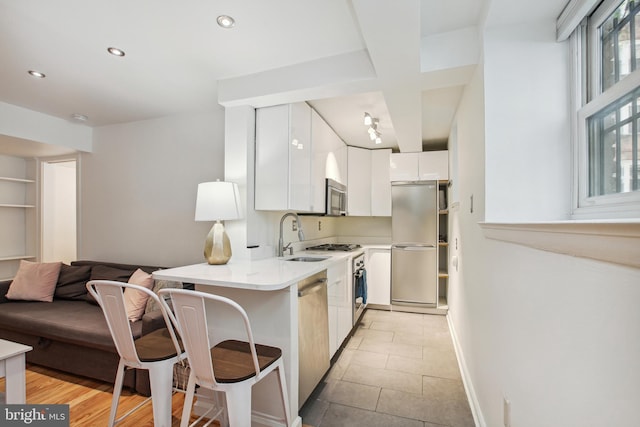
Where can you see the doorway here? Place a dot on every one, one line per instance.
(59, 225)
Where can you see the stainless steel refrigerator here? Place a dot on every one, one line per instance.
(414, 249)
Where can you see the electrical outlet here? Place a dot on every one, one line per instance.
(294, 225)
(506, 407)
(319, 225)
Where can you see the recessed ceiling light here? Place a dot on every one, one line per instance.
(37, 74)
(225, 21)
(79, 117)
(115, 51)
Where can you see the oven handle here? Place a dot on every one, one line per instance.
(358, 273)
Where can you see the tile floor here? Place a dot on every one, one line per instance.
(398, 369)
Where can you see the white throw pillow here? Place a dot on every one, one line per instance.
(136, 301)
(35, 281)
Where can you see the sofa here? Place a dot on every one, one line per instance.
(70, 333)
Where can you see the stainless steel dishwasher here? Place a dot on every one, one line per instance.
(313, 333)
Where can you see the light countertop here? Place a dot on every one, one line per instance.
(269, 274)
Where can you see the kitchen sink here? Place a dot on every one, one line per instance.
(307, 259)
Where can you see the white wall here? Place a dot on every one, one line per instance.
(527, 112)
(28, 124)
(554, 334)
(138, 189)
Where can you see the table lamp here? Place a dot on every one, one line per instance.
(217, 201)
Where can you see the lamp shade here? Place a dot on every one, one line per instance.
(217, 201)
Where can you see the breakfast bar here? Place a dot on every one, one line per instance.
(268, 291)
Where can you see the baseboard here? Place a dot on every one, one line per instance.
(478, 418)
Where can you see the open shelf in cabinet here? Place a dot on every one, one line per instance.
(20, 180)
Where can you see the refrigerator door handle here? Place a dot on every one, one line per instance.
(413, 247)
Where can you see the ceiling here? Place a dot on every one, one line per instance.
(405, 63)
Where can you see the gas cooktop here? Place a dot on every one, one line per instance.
(343, 247)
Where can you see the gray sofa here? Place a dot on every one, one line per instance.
(70, 334)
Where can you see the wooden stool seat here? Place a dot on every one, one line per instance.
(232, 360)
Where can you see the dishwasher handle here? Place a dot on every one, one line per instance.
(311, 288)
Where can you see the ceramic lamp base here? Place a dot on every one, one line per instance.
(217, 247)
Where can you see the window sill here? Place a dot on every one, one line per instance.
(614, 241)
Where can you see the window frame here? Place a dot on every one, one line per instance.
(588, 100)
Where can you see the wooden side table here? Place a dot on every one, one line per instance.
(12, 368)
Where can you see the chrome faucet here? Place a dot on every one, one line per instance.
(281, 247)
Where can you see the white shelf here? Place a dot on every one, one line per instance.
(16, 257)
(25, 181)
(3, 205)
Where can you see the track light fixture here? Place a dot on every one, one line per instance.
(373, 122)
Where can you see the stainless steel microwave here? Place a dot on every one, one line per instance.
(336, 198)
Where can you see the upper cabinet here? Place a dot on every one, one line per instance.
(427, 165)
(359, 182)
(295, 151)
(329, 157)
(380, 183)
(284, 172)
(369, 187)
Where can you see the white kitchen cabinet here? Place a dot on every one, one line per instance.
(359, 182)
(339, 304)
(369, 186)
(378, 262)
(284, 170)
(434, 165)
(380, 183)
(328, 158)
(323, 158)
(427, 165)
(341, 153)
(403, 167)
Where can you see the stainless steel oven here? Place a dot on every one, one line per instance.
(359, 287)
(336, 198)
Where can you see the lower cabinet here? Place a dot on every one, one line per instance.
(340, 312)
(378, 262)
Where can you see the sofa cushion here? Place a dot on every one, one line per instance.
(62, 320)
(104, 272)
(153, 304)
(134, 300)
(34, 281)
(72, 282)
(4, 288)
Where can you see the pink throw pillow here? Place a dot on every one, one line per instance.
(136, 301)
(35, 281)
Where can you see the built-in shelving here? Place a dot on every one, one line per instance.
(18, 214)
(443, 244)
(16, 258)
(5, 205)
(26, 181)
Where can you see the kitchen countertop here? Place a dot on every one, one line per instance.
(270, 274)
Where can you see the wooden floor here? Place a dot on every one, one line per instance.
(89, 400)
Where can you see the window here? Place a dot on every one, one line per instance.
(608, 83)
(613, 147)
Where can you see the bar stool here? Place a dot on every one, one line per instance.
(229, 366)
(157, 351)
